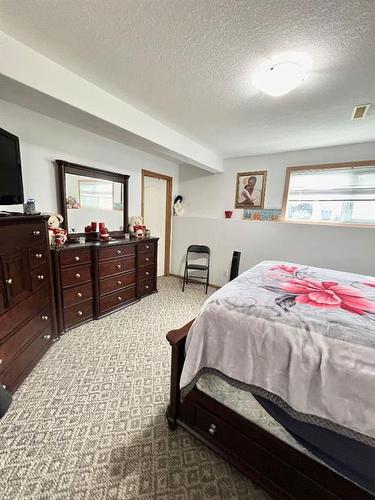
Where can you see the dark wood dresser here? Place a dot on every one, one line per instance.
(27, 321)
(94, 279)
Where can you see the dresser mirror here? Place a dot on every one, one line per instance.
(88, 194)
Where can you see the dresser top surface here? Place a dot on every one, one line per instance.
(8, 220)
(103, 244)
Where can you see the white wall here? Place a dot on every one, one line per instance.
(336, 247)
(207, 196)
(43, 139)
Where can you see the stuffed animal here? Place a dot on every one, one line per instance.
(136, 227)
(57, 235)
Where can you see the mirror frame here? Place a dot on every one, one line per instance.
(66, 167)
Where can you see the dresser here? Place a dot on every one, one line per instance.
(94, 279)
(27, 311)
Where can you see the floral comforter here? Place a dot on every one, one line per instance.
(301, 336)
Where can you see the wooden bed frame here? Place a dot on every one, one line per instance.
(274, 465)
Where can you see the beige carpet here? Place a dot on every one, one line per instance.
(89, 423)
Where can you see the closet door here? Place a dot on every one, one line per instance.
(16, 274)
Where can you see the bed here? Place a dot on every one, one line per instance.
(276, 374)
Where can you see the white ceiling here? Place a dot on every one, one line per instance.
(188, 63)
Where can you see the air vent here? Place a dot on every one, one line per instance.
(360, 111)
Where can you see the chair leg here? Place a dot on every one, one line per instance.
(183, 281)
(207, 280)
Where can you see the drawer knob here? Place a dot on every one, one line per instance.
(47, 337)
(38, 255)
(3, 386)
(1, 361)
(147, 273)
(79, 313)
(45, 317)
(78, 275)
(79, 294)
(147, 287)
(119, 282)
(119, 299)
(119, 266)
(118, 252)
(212, 429)
(9, 281)
(147, 259)
(36, 233)
(40, 277)
(147, 246)
(76, 258)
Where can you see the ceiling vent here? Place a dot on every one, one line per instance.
(360, 111)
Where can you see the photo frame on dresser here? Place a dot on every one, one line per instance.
(89, 194)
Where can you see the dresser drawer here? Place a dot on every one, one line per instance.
(146, 273)
(116, 266)
(38, 256)
(75, 275)
(73, 257)
(146, 259)
(118, 282)
(116, 251)
(13, 344)
(80, 293)
(117, 299)
(146, 247)
(11, 319)
(20, 236)
(40, 276)
(77, 314)
(146, 287)
(24, 362)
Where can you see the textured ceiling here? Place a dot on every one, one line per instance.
(188, 63)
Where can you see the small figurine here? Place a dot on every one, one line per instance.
(136, 227)
(57, 235)
(178, 208)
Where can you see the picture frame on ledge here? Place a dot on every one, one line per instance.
(250, 189)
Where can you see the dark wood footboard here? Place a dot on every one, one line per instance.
(280, 469)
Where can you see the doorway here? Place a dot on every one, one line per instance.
(157, 214)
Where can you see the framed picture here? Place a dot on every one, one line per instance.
(250, 189)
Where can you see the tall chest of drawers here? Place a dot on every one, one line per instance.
(95, 279)
(27, 312)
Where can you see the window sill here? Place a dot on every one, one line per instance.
(330, 223)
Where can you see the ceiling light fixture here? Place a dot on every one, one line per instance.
(282, 74)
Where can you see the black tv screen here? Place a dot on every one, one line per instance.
(11, 188)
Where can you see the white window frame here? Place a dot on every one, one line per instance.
(325, 166)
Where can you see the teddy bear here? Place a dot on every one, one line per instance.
(136, 227)
(57, 235)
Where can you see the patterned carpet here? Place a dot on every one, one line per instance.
(89, 423)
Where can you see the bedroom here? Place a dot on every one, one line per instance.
(172, 89)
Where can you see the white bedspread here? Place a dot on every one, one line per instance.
(300, 336)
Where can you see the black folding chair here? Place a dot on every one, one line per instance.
(198, 249)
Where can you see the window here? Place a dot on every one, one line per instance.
(96, 194)
(343, 193)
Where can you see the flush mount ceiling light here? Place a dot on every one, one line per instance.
(282, 74)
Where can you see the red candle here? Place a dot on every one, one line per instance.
(101, 226)
(93, 226)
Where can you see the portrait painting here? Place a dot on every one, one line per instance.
(250, 189)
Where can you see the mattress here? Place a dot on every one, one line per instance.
(347, 457)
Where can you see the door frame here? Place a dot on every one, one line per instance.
(168, 213)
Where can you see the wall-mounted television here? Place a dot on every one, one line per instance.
(11, 188)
